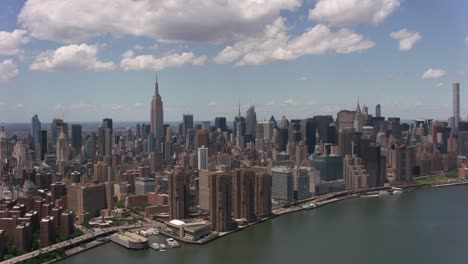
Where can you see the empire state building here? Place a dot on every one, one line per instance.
(157, 113)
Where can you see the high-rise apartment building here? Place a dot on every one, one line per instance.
(178, 194)
(203, 158)
(243, 194)
(220, 186)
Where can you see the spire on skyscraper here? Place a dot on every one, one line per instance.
(156, 86)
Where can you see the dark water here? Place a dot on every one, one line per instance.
(425, 226)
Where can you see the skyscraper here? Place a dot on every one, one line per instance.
(377, 110)
(187, 124)
(157, 113)
(36, 129)
(220, 123)
(250, 121)
(220, 187)
(56, 126)
(456, 106)
(62, 151)
(243, 191)
(203, 158)
(76, 137)
(178, 194)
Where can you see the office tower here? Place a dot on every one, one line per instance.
(355, 174)
(308, 132)
(243, 194)
(220, 186)
(178, 194)
(220, 123)
(202, 138)
(189, 139)
(322, 123)
(138, 131)
(329, 167)
(268, 128)
(43, 143)
(250, 121)
(393, 124)
(203, 158)
(358, 119)
(462, 143)
(62, 149)
(187, 123)
(378, 111)
(206, 125)
(375, 163)
(263, 185)
(166, 152)
(168, 134)
(108, 142)
(349, 141)
(76, 137)
(107, 123)
(157, 113)
(301, 182)
(56, 128)
(36, 130)
(345, 119)
(456, 106)
(282, 183)
(90, 149)
(259, 131)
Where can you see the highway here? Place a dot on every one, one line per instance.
(72, 242)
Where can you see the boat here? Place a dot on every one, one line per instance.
(162, 247)
(384, 193)
(172, 243)
(155, 246)
(370, 195)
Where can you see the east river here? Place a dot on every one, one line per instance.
(424, 226)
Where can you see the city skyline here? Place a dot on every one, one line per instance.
(385, 54)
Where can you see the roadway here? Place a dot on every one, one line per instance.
(72, 242)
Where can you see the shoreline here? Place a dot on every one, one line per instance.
(331, 200)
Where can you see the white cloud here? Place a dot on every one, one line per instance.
(19, 105)
(8, 71)
(138, 47)
(10, 42)
(439, 84)
(164, 20)
(290, 101)
(212, 103)
(149, 62)
(406, 38)
(466, 41)
(304, 78)
(71, 57)
(433, 74)
(276, 44)
(128, 54)
(352, 12)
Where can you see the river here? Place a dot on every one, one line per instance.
(424, 226)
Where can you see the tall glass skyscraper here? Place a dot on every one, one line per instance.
(36, 129)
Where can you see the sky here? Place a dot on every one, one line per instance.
(84, 60)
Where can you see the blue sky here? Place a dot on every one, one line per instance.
(84, 60)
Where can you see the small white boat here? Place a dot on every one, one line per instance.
(172, 243)
(155, 246)
(162, 247)
(383, 193)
